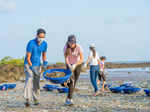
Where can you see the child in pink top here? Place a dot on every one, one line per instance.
(101, 75)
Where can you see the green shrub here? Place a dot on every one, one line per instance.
(10, 60)
(59, 63)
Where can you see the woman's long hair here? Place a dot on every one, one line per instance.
(93, 51)
(69, 50)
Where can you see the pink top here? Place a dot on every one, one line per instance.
(102, 66)
(74, 57)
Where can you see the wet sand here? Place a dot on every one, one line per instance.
(84, 101)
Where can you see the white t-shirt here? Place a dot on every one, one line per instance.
(94, 61)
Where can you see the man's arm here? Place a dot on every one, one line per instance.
(29, 58)
(44, 59)
(44, 56)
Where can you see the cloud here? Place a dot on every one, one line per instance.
(7, 6)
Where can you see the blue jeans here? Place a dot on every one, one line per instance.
(94, 70)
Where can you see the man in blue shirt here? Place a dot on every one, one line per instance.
(32, 66)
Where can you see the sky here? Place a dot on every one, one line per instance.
(119, 28)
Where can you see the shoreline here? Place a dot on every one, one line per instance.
(127, 65)
(110, 65)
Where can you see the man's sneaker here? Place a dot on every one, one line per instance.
(36, 102)
(69, 102)
(27, 104)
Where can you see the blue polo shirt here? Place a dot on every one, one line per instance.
(36, 51)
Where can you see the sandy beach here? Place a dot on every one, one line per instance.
(13, 101)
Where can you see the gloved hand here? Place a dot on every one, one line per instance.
(72, 67)
(34, 70)
(45, 64)
(31, 68)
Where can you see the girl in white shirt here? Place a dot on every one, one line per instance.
(94, 61)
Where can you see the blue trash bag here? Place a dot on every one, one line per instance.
(117, 89)
(10, 86)
(129, 90)
(63, 90)
(50, 87)
(107, 85)
(126, 84)
(3, 87)
(58, 80)
(147, 92)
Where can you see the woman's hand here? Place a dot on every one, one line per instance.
(72, 67)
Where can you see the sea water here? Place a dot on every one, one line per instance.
(144, 69)
(123, 73)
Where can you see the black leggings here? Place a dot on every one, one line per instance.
(101, 76)
(73, 80)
